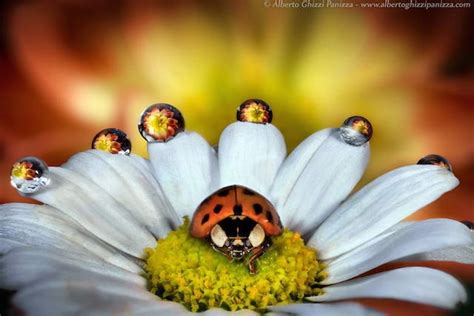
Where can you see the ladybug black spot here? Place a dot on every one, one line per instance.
(258, 209)
(248, 192)
(269, 216)
(205, 219)
(217, 208)
(224, 192)
(238, 209)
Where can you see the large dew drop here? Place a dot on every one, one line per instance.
(112, 140)
(436, 160)
(356, 130)
(29, 174)
(160, 123)
(254, 111)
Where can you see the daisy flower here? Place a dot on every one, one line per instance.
(116, 233)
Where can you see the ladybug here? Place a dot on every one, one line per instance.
(237, 221)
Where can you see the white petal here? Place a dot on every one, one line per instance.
(462, 254)
(124, 179)
(8, 244)
(21, 267)
(380, 205)
(221, 312)
(44, 227)
(309, 309)
(293, 167)
(457, 254)
(415, 284)
(186, 168)
(161, 308)
(316, 178)
(416, 238)
(104, 296)
(250, 155)
(95, 210)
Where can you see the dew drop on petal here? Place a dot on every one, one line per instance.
(356, 130)
(29, 174)
(112, 140)
(255, 111)
(469, 224)
(436, 160)
(160, 122)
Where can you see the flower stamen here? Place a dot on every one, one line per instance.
(187, 270)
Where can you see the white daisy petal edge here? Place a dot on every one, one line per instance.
(115, 173)
(186, 168)
(163, 308)
(104, 296)
(24, 266)
(461, 254)
(415, 284)
(221, 312)
(379, 205)
(308, 309)
(250, 154)
(418, 237)
(95, 209)
(47, 228)
(316, 177)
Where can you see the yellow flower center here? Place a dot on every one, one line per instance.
(107, 143)
(361, 127)
(254, 113)
(161, 124)
(22, 170)
(187, 270)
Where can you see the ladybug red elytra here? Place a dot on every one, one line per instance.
(237, 221)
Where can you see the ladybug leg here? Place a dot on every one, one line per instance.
(256, 253)
(222, 251)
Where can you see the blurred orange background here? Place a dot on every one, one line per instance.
(71, 68)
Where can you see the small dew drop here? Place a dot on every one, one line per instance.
(112, 140)
(469, 224)
(255, 111)
(160, 123)
(356, 130)
(437, 160)
(29, 174)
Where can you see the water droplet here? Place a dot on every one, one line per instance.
(255, 111)
(160, 122)
(29, 174)
(435, 160)
(112, 140)
(469, 224)
(356, 130)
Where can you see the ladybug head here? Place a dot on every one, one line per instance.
(236, 236)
